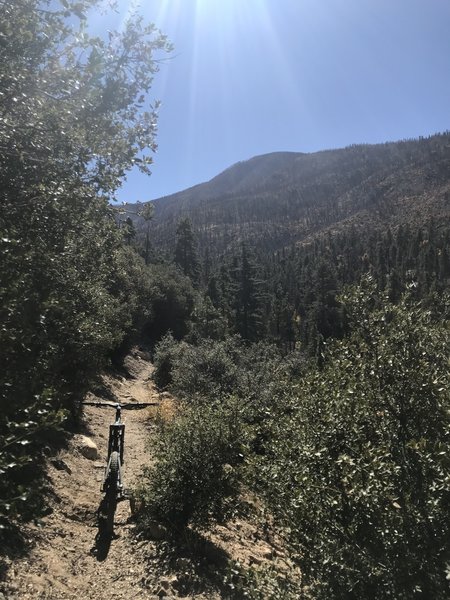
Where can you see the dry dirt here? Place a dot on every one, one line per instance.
(68, 559)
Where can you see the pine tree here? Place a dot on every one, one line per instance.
(249, 298)
(186, 255)
(129, 231)
(147, 213)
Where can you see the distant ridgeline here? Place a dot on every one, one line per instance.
(314, 222)
(277, 200)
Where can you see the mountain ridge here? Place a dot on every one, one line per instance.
(281, 198)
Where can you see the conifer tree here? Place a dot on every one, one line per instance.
(186, 254)
(129, 231)
(147, 213)
(249, 298)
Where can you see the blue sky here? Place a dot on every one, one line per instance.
(249, 77)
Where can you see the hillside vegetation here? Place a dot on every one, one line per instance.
(297, 305)
(282, 199)
(315, 372)
(349, 458)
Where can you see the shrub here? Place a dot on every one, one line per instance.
(205, 371)
(196, 477)
(215, 369)
(363, 480)
(166, 353)
(172, 298)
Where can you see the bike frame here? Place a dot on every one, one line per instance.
(116, 441)
(116, 445)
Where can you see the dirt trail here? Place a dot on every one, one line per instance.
(67, 560)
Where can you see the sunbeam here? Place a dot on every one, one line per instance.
(254, 76)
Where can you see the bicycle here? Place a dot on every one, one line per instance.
(112, 485)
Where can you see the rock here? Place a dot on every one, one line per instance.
(267, 552)
(61, 466)
(87, 447)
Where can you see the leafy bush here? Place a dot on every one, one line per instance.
(196, 476)
(205, 371)
(351, 459)
(216, 369)
(70, 128)
(167, 351)
(131, 284)
(213, 371)
(362, 481)
(264, 583)
(172, 299)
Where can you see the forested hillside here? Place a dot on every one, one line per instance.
(296, 305)
(281, 199)
(314, 371)
(285, 232)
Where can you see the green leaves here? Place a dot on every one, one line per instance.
(196, 478)
(360, 481)
(351, 458)
(74, 101)
(73, 119)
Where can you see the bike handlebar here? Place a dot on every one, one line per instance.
(116, 405)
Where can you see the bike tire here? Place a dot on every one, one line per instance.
(110, 513)
(113, 474)
(111, 493)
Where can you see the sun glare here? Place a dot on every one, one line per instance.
(225, 53)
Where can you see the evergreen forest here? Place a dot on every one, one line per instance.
(296, 305)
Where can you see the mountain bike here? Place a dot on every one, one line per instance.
(112, 485)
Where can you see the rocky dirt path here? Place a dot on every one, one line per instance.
(67, 560)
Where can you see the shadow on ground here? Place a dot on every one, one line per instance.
(199, 567)
(105, 528)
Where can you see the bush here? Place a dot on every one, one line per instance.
(216, 369)
(205, 371)
(363, 479)
(172, 299)
(196, 477)
(167, 351)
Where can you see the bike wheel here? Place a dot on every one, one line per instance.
(110, 512)
(111, 492)
(113, 473)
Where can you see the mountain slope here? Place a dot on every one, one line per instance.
(279, 199)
